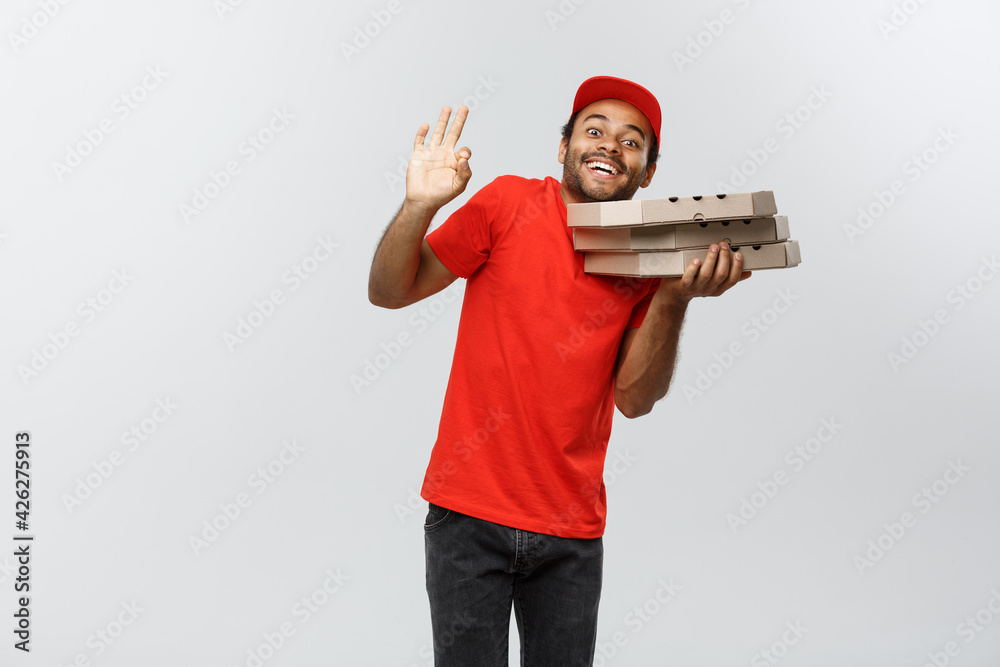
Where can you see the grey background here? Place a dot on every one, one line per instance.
(342, 504)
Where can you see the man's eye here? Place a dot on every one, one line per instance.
(630, 142)
(592, 131)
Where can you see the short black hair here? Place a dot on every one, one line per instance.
(654, 144)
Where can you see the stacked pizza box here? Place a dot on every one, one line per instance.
(660, 237)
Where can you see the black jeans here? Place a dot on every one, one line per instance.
(475, 571)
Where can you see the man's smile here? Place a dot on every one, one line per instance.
(603, 168)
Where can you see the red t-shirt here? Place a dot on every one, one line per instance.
(527, 413)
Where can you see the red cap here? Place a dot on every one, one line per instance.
(609, 87)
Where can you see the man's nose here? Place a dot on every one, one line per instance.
(608, 145)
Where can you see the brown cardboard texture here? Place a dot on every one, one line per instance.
(669, 263)
(633, 213)
(685, 235)
(605, 214)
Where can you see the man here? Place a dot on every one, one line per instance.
(544, 354)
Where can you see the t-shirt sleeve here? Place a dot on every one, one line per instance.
(463, 241)
(639, 309)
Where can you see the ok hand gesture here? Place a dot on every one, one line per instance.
(438, 173)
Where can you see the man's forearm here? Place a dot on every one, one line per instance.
(397, 257)
(648, 367)
(647, 360)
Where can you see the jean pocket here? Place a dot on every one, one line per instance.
(436, 517)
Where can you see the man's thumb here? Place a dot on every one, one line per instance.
(464, 173)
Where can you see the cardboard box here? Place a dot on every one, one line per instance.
(633, 212)
(684, 235)
(666, 263)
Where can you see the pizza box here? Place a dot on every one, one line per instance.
(668, 263)
(685, 235)
(636, 212)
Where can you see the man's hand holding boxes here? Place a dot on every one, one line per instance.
(648, 238)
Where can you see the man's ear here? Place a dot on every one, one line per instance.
(650, 170)
(563, 146)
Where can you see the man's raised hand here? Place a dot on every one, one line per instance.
(438, 173)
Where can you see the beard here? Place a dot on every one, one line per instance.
(574, 177)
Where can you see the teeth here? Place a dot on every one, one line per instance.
(603, 165)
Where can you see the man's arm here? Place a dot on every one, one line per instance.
(405, 269)
(647, 355)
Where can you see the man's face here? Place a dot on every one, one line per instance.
(605, 157)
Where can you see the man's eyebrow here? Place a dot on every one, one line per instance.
(607, 120)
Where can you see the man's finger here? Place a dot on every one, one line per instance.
(707, 267)
(421, 136)
(439, 129)
(690, 273)
(722, 265)
(735, 271)
(736, 274)
(456, 127)
(462, 176)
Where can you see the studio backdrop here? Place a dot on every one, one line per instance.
(214, 443)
